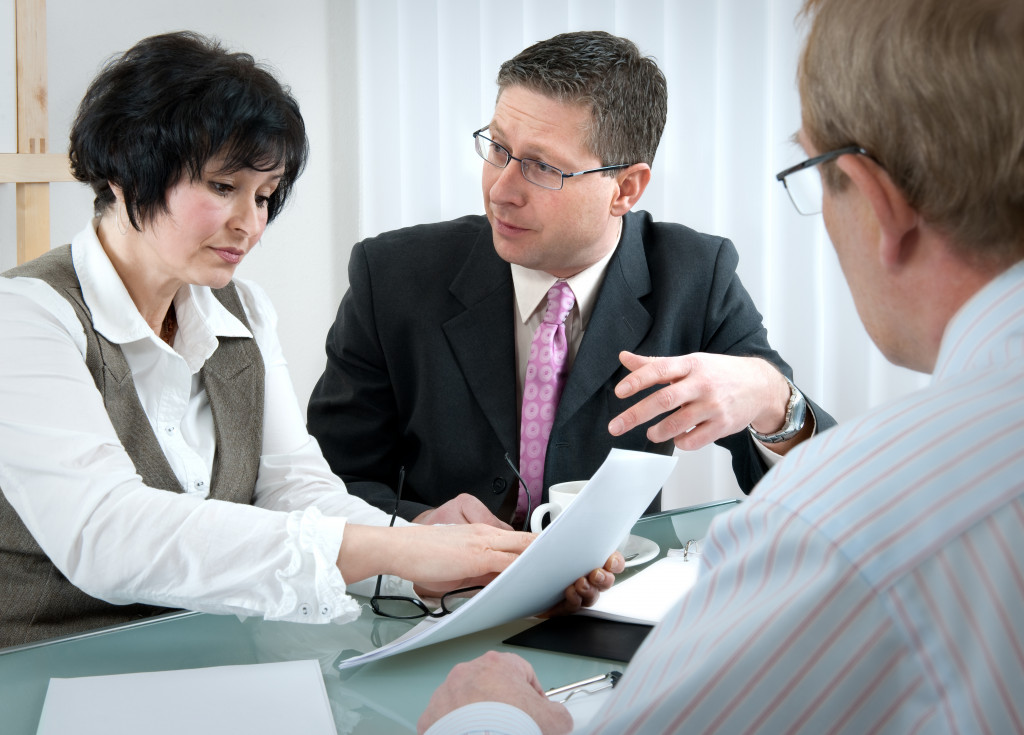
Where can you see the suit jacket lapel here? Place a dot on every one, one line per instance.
(619, 321)
(482, 339)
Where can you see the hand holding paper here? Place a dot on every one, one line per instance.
(647, 596)
(586, 591)
(579, 540)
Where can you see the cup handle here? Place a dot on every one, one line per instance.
(537, 517)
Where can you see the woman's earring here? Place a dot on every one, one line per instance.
(122, 228)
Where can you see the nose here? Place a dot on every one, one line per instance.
(506, 185)
(248, 219)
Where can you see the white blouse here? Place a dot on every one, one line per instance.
(67, 475)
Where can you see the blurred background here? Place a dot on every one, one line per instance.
(391, 91)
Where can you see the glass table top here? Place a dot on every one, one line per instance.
(385, 696)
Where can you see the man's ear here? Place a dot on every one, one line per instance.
(898, 222)
(631, 182)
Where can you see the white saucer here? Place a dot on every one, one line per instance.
(643, 547)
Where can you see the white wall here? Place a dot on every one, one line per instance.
(392, 89)
(311, 45)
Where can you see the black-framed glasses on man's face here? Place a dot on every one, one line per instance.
(803, 181)
(534, 171)
(406, 608)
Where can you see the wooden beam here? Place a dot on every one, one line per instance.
(34, 168)
(32, 220)
(33, 199)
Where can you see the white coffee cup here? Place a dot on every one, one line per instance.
(560, 496)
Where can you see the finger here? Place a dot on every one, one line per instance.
(693, 411)
(699, 436)
(671, 397)
(588, 594)
(494, 521)
(651, 371)
(601, 580)
(616, 563)
(571, 602)
(514, 541)
(481, 514)
(531, 675)
(675, 424)
(632, 361)
(575, 594)
(642, 370)
(505, 549)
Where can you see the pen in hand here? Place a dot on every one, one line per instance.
(586, 686)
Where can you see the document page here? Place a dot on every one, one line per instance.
(647, 596)
(258, 699)
(580, 539)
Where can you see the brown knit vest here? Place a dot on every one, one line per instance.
(36, 600)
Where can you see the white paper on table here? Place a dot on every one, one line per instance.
(647, 596)
(257, 699)
(579, 540)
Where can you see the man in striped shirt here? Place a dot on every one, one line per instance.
(874, 581)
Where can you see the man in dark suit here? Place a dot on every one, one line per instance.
(429, 361)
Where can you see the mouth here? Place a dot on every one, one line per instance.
(230, 255)
(507, 228)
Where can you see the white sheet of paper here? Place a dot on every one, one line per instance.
(647, 596)
(257, 699)
(579, 540)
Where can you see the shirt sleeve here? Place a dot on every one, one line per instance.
(293, 473)
(66, 474)
(485, 718)
(781, 633)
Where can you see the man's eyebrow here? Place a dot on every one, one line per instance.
(540, 154)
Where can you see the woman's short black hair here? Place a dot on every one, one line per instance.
(166, 107)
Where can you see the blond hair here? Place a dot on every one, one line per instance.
(934, 90)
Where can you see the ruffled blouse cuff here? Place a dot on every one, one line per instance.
(320, 597)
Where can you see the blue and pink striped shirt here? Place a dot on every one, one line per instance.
(874, 581)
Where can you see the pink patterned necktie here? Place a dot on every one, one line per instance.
(545, 376)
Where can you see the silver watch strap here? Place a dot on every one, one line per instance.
(796, 414)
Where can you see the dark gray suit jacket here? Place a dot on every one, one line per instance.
(421, 359)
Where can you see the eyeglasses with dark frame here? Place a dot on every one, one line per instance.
(803, 183)
(536, 172)
(408, 608)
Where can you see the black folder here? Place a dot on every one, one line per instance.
(583, 635)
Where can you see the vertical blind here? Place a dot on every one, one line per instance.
(426, 71)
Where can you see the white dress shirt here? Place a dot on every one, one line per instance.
(871, 583)
(65, 472)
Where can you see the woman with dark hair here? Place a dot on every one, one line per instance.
(152, 452)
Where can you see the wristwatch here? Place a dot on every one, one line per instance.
(796, 412)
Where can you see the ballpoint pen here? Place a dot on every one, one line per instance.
(586, 686)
